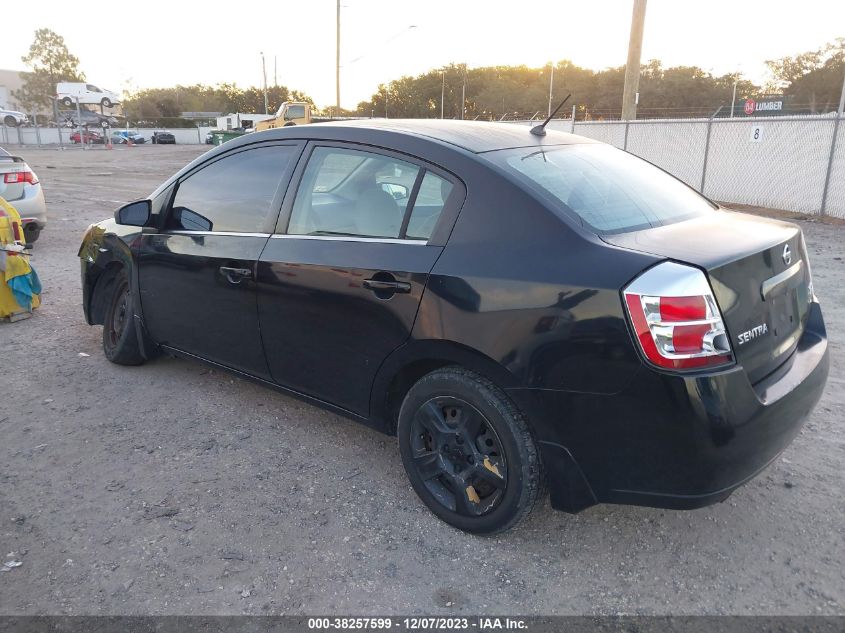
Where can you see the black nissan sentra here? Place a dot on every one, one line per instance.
(522, 311)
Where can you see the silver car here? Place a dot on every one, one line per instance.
(20, 187)
(13, 118)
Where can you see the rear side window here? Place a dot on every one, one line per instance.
(604, 188)
(235, 193)
(431, 198)
(350, 192)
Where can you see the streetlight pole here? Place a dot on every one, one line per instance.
(442, 90)
(551, 87)
(264, 73)
(733, 98)
(464, 94)
(337, 61)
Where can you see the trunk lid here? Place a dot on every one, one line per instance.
(11, 164)
(763, 290)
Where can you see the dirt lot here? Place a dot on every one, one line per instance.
(173, 489)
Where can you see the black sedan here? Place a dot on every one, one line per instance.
(518, 309)
(163, 138)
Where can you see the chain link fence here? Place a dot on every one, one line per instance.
(776, 162)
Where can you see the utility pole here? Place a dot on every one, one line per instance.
(632, 68)
(275, 68)
(337, 60)
(264, 73)
(442, 90)
(551, 87)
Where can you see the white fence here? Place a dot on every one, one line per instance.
(776, 162)
(50, 135)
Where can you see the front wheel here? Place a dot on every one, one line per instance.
(106, 102)
(468, 452)
(67, 102)
(10, 121)
(120, 339)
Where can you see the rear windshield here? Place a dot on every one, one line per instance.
(603, 188)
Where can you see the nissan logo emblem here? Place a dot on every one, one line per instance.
(787, 255)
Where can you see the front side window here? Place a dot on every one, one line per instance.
(295, 112)
(352, 193)
(233, 194)
(93, 88)
(604, 188)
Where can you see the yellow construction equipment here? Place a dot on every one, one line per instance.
(291, 113)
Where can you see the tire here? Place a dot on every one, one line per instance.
(31, 232)
(288, 124)
(468, 452)
(10, 121)
(120, 339)
(67, 102)
(106, 103)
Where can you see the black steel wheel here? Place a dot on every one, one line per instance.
(120, 339)
(10, 121)
(106, 102)
(468, 452)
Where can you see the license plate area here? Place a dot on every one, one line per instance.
(788, 310)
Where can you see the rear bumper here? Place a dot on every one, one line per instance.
(32, 207)
(679, 442)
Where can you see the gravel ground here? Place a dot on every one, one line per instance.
(174, 489)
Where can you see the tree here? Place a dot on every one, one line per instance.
(51, 62)
(519, 91)
(813, 79)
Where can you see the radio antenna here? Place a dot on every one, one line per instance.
(540, 130)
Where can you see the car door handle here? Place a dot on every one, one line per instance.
(235, 275)
(390, 286)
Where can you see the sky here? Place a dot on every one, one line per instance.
(173, 42)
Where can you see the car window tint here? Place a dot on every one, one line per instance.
(349, 192)
(432, 196)
(236, 193)
(605, 188)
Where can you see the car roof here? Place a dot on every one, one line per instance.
(473, 136)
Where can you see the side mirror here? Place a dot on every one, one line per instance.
(399, 192)
(191, 220)
(134, 213)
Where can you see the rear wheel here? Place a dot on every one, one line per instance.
(106, 102)
(468, 451)
(10, 121)
(120, 339)
(67, 102)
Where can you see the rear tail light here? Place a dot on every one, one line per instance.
(19, 177)
(676, 318)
